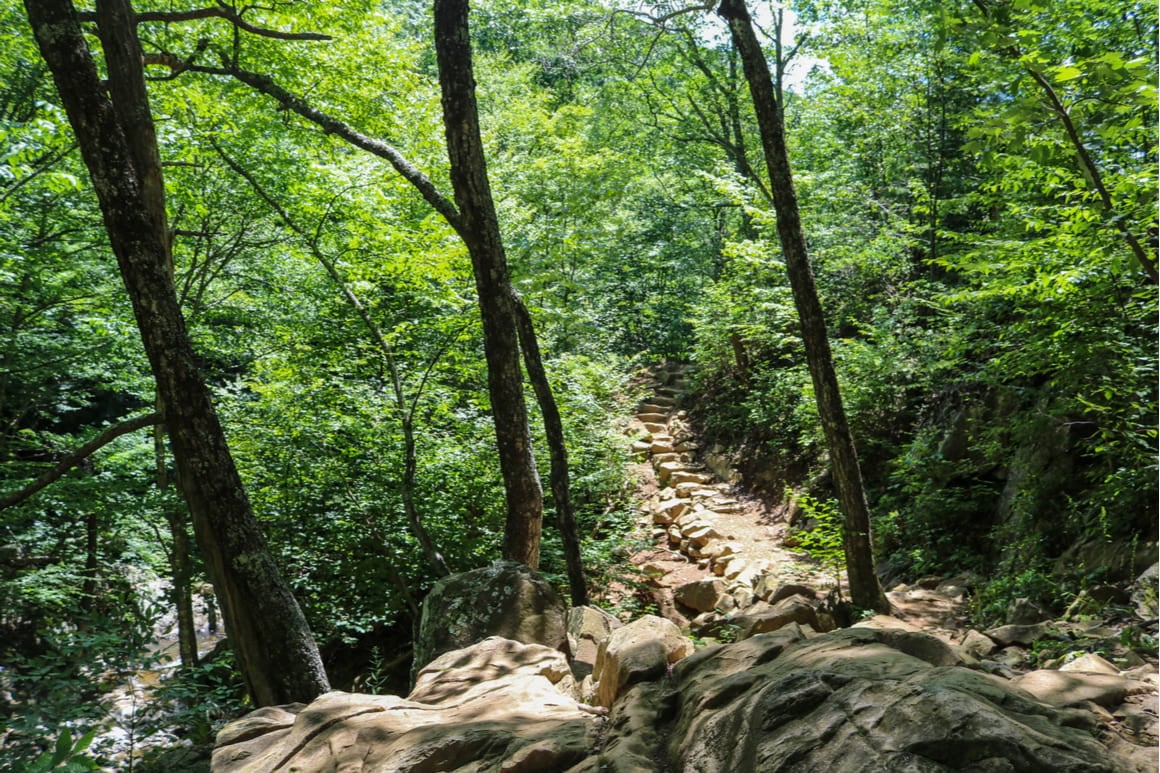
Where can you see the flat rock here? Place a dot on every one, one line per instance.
(1006, 635)
(504, 699)
(1063, 688)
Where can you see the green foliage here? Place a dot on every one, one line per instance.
(194, 703)
(66, 756)
(820, 534)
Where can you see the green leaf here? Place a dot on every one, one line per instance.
(1068, 73)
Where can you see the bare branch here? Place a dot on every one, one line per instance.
(76, 457)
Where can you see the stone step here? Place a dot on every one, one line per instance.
(661, 444)
(659, 401)
(669, 510)
(666, 470)
(653, 418)
(684, 475)
(655, 428)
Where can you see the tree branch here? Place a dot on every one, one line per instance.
(411, 173)
(76, 457)
(1087, 164)
(218, 12)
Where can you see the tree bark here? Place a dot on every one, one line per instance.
(274, 647)
(479, 228)
(865, 590)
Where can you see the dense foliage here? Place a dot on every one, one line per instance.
(978, 186)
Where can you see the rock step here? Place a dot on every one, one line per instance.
(653, 418)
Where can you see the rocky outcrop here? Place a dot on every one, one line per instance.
(498, 705)
(868, 698)
(505, 599)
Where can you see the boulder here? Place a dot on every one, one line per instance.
(700, 595)
(1023, 611)
(640, 651)
(505, 599)
(976, 644)
(769, 588)
(1090, 663)
(1006, 635)
(1145, 593)
(762, 617)
(587, 629)
(852, 701)
(502, 698)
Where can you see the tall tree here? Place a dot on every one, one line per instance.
(275, 650)
(865, 590)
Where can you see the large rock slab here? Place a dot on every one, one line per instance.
(880, 697)
(498, 705)
(856, 700)
(505, 599)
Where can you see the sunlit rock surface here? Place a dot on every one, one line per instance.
(859, 699)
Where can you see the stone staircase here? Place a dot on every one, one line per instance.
(719, 556)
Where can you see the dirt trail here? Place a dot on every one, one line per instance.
(703, 527)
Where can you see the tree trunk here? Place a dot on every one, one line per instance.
(275, 650)
(558, 451)
(92, 562)
(480, 231)
(865, 590)
(179, 562)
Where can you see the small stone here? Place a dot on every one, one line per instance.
(654, 569)
(977, 644)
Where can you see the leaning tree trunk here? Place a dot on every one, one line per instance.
(479, 228)
(865, 590)
(275, 650)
